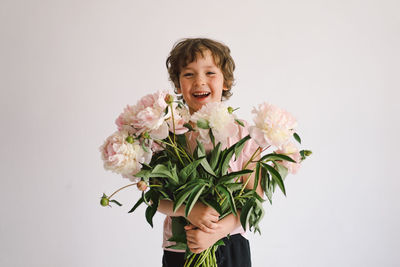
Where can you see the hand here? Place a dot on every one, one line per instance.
(204, 217)
(198, 240)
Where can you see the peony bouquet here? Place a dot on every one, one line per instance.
(151, 148)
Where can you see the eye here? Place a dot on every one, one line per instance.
(187, 74)
(210, 73)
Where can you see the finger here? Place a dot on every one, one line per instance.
(213, 212)
(197, 250)
(207, 230)
(190, 227)
(211, 225)
(190, 236)
(192, 244)
(194, 250)
(214, 218)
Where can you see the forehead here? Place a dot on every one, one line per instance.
(204, 56)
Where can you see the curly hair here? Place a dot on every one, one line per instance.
(186, 50)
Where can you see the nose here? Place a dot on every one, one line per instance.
(200, 81)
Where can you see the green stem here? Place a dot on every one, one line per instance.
(252, 157)
(189, 260)
(121, 189)
(155, 185)
(176, 151)
(175, 148)
(247, 163)
(173, 121)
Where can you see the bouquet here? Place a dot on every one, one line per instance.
(151, 149)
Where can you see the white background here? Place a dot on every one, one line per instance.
(67, 69)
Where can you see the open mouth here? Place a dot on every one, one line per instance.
(201, 94)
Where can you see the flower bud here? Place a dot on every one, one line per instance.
(104, 201)
(169, 99)
(230, 110)
(141, 185)
(129, 139)
(146, 135)
(307, 152)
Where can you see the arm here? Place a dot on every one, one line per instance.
(198, 240)
(201, 216)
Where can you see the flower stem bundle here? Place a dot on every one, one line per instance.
(151, 147)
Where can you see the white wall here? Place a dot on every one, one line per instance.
(67, 69)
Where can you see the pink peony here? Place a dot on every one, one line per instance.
(148, 115)
(122, 157)
(181, 116)
(273, 126)
(291, 150)
(220, 121)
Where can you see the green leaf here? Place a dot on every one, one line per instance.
(188, 170)
(189, 126)
(213, 204)
(178, 231)
(246, 211)
(203, 124)
(239, 145)
(303, 157)
(259, 207)
(265, 184)
(283, 171)
(174, 174)
(257, 176)
(276, 176)
(228, 195)
(161, 170)
(193, 198)
(234, 186)
(150, 211)
(190, 183)
(200, 149)
(274, 156)
(225, 162)
(212, 138)
(220, 243)
(143, 174)
(297, 137)
(177, 239)
(201, 152)
(116, 202)
(144, 147)
(232, 175)
(179, 246)
(182, 196)
(215, 153)
(177, 226)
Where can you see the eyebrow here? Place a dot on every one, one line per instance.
(210, 66)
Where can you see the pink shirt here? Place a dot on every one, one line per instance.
(237, 165)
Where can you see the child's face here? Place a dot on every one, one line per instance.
(201, 82)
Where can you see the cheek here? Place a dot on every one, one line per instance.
(184, 84)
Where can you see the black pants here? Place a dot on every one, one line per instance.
(235, 253)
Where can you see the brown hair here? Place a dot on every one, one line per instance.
(185, 52)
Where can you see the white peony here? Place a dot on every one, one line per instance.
(122, 157)
(220, 122)
(273, 126)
